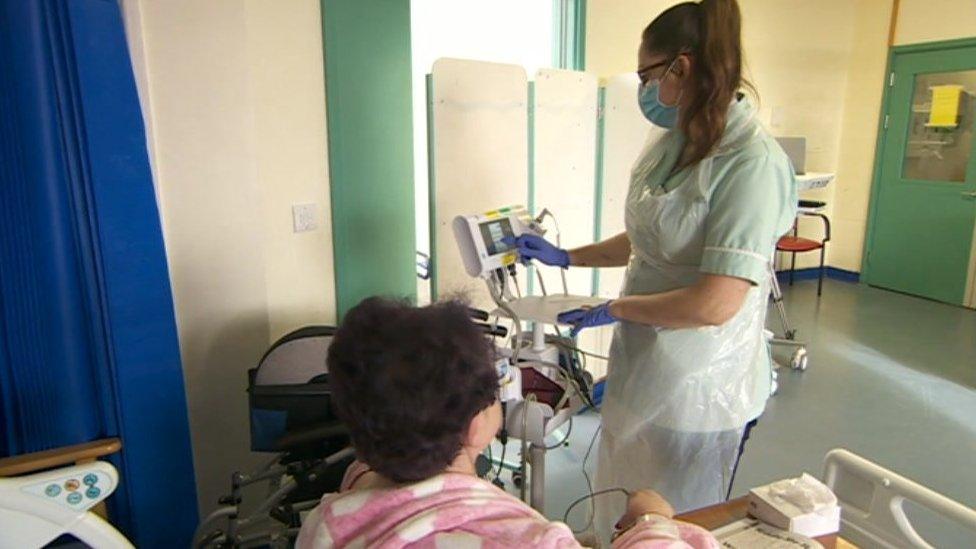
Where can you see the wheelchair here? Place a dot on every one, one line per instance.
(291, 418)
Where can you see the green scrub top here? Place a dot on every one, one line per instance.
(752, 204)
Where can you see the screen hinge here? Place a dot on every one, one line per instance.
(891, 79)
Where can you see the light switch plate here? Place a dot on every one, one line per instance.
(304, 218)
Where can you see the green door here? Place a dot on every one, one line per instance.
(925, 203)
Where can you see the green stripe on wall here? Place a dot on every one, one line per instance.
(368, 101)
(579, 31)
(431, 188)
(598, 181)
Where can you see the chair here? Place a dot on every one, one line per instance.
(794, 244)
(872, 501)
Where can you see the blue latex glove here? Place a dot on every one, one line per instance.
(530, 246)
(587, 317)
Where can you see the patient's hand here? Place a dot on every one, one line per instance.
(644, 502)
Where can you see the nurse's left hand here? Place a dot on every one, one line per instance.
(587, 317)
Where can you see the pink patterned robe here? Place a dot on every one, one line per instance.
(454, 510)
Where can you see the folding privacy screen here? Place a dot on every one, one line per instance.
(560, 142)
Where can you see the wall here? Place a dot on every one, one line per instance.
(859, 133)
(235, 95)
(371, 150)
(929, 20)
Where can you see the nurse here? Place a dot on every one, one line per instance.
(689, 369)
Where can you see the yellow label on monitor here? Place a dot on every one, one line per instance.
(509, 259)
(945, 106)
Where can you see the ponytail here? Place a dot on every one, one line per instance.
(710, 32)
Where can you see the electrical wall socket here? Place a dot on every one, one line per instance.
(304, 217)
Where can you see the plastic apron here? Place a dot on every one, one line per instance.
(677, 400)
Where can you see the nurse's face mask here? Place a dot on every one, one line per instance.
(649, 98)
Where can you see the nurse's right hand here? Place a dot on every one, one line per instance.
(531, 246)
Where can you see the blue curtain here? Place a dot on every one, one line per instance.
(88, 345)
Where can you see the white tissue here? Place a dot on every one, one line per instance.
(801, 505)
(806, 493)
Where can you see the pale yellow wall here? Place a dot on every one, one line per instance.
(234, 92)
(930, 20)
(862, 107)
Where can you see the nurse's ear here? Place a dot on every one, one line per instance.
(682, 67)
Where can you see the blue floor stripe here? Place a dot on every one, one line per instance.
(813, 272)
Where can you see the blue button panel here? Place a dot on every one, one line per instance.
(93, 492)
(90, 479)
(52, 490)
(74, 498)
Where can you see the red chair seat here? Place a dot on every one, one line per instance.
(797, 244)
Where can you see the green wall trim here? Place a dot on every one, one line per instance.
(558, 36)
(569, 34)
(936, 45)
(431, 188)
(598, 181)
(370, 133)
(876, 174)
(579, 29)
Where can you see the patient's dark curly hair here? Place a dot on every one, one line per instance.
(407, 381)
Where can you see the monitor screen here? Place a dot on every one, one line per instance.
(492, 232)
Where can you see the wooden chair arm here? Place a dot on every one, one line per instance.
(68, 455)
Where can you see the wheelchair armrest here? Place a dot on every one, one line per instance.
(48, 459)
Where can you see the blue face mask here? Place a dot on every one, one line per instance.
(649, 98)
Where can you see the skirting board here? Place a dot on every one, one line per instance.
(812, 273)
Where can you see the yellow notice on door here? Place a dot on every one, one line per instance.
(945, 106)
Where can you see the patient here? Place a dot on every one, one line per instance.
(416, 386)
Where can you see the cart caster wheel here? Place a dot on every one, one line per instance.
(799, 360)
(517, 479)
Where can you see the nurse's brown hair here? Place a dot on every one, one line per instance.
(709, 32)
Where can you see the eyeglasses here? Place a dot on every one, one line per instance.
(642, 73)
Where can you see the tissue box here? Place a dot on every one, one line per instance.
(772, 509)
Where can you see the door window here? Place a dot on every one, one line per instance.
(940, 129)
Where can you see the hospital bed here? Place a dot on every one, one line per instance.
(872, 501)
(61, 492)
